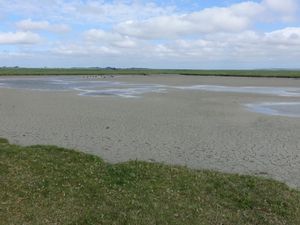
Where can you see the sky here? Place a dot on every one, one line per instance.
(204, 34)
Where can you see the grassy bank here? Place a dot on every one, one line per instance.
(51, 185)
(95, 71)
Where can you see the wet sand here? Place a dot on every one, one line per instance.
(198, 129)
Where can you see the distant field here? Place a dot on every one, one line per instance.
(51, 185)
(240, 73)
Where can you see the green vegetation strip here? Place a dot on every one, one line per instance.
(98, 71)
(51, 185)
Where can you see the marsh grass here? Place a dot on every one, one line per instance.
(98, 71)
(51, 185)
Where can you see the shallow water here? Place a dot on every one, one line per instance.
(84, 86)
(290, 109)
(277, 91)
(87, 87)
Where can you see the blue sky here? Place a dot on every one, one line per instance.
(230, 34)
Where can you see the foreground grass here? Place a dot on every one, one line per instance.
(95, 71)
(51, 185)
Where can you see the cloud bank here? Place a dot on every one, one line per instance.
(248, 34)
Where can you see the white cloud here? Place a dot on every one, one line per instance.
(32, 25)
(283, 6)
(285, 10)
(28, 25)
(12, 38)
(59, 28)
(96, 35)
(84, 50)
(117, 11)
(281, 45)
(247, 46)
(287, 37)
(85, 11)
(133, 31)
(235, 18)
(110, 38)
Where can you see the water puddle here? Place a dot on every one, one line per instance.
(290, 109)
(84, 86)
(277, 91)
(130, 92)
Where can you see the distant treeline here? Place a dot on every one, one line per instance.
(15, 71)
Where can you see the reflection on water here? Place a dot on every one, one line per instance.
(49, 84)
(130, 92)
(277, 91)
(87, 87)
(291, 109)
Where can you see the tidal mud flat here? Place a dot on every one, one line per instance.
(239, 125)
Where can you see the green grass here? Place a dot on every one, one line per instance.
(95, 71)
(51, 185)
